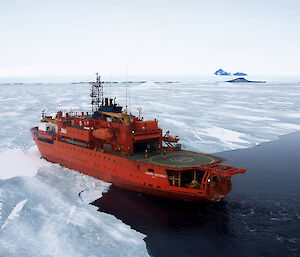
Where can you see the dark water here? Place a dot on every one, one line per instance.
(260, 217)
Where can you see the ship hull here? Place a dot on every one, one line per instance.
(120, 171)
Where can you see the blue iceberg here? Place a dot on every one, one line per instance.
(222, 73)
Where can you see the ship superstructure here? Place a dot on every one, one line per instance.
(117, 147)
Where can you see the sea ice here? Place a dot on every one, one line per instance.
(56, 220)
(15, 212)
(225, 135)
(149, 83)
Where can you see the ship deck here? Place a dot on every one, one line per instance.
(176, 159)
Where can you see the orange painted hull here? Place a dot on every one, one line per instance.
(118, 170)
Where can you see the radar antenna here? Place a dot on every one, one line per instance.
(96, 94)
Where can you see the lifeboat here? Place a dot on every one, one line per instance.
(103, 134)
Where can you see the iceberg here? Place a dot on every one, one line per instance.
(243, 80)
(222, 73)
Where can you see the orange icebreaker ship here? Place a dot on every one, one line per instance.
(131, 153)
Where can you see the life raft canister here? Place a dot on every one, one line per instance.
(103, 134)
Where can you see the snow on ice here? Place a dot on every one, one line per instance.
(44, 208)
(15, 212)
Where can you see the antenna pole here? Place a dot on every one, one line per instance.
(126, 93)
(96, 94)
(110, 85)
(129, 97)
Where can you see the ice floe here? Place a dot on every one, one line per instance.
(225, 135)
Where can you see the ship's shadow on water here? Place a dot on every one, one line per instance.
(260, 217)
(144, 211)
(172, 227)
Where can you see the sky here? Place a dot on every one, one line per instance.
(157, 37)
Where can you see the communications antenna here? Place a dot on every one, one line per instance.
(139, 108)
(96, 94)
(110, 85)
(129, 98)
(126, 93)
(127, 87)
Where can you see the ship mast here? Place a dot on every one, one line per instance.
(96, 94)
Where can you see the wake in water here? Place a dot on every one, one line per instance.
(16, 162)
